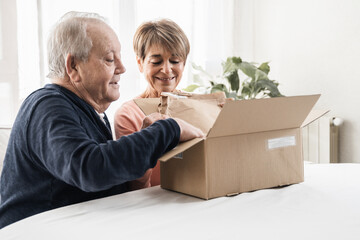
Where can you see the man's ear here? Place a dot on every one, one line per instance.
(71, 68)
(139, 63)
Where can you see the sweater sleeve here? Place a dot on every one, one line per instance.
(63, 146)
(128, 119)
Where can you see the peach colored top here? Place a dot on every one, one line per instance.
(128, 119)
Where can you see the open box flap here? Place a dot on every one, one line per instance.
(313, 115)
(180, 148)
(258, 115)
(148, 105)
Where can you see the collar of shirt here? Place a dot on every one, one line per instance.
(102, 117)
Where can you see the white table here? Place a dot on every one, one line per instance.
(325, 206)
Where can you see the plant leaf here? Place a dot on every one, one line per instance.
(260, 75)
(248, 68)
(201, 70)
(265, 67)
(236, 60)
(231, 64)
(245, 92)
(233, 79)
(232, 95)
(197, 67)
(197, 79)
(191, 88)
(270, 85)
(256, 84)
(220, 88)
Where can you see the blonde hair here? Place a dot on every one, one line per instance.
(69, 35)
(163, 32)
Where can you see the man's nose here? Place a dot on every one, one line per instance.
(120, 68)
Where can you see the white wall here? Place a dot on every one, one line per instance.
(8, 62)
(314, 47)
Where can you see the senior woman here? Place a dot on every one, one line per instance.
(161, 49)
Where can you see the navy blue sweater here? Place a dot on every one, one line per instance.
(61, 153)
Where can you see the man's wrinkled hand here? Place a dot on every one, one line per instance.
(188, 131)
(153, 117)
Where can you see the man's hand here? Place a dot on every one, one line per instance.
(150, 119)
(188, 131)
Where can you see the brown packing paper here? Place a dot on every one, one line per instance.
(220, 96)
(151, 105)
(200, 110)
(200, 113)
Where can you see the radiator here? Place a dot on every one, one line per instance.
(321, 140)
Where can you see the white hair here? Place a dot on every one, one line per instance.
(69, 36)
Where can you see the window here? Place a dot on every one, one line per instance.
(8, 63)
(204, 22)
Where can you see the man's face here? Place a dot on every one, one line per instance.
(162, 69)
(100, 74)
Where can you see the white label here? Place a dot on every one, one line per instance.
(179, 155)
(281, 142)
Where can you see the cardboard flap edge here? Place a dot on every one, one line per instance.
(313, 115)
(229, 111)
(180, 148)
(148, 105)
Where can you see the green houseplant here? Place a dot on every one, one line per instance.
(239, 80)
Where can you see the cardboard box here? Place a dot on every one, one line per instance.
(251, 145)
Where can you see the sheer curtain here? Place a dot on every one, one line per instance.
(212, 27)
(9, 93)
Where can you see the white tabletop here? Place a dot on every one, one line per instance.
(325, 206)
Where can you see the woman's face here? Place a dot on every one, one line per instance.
(162, 69)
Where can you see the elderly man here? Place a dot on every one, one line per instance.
(61, 150)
